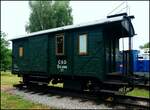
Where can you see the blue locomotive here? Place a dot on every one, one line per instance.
(141, 62)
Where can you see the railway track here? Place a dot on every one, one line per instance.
(127, 101)
(130, 101)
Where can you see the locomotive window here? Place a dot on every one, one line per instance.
(60, 44)
(20, 51)
(83, 44)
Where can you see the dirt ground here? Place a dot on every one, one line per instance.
(6, 88)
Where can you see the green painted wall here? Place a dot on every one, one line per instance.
(91, 64)
(38, 47)
(20, 63)
(40, 56)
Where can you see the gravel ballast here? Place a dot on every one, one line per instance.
(58, 102)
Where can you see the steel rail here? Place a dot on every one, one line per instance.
(135, 101)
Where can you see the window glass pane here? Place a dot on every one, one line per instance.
(20, 51)
(83, 44)
(60, 45)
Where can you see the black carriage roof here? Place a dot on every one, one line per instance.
(109, 19)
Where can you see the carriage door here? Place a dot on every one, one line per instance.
(38, 53)
(112, 51)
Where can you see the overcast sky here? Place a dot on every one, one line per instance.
(15, 14)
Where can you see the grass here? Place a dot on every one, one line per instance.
(8, 79)
(140, 93)
(56, 85)
(9, 101)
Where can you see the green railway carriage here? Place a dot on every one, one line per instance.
(74, 54)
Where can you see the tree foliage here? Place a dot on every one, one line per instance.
(48, 14)
(146, 45)
(5, 54)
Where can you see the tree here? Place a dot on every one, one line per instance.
(146, 45)
(62, 13)
(48, 14)
(5, 54)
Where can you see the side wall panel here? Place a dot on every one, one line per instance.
(60, 65)
(20, 63)
(93, 63)
(38, 49)
(52, 55)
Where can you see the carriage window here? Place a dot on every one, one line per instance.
(83, 44)
(60, 45)
(20, 51)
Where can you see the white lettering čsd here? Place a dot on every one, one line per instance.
(65, 62)
(59, 61)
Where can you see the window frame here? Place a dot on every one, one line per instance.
(83, 53)
(56, 49)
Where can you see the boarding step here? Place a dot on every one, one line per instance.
(37, 82)
(115, 76)
(114, 82)
(108, 91)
